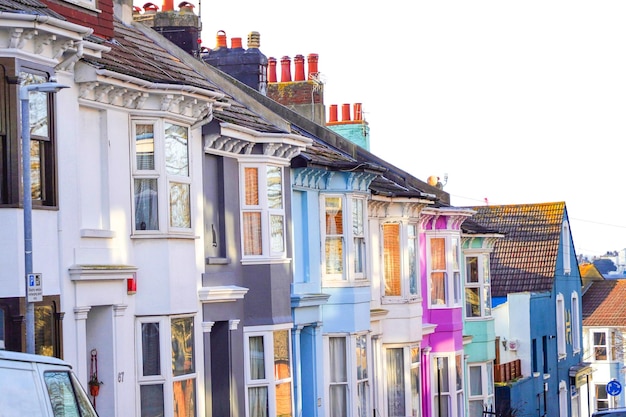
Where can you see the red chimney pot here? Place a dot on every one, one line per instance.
(358, 112)
(299, 64)
(345, 112)
(332, 117)
(168, 5)
(285, 65)
(150, 7)
(271, 70)
(312, 61)
(221, 39)
(236, 43)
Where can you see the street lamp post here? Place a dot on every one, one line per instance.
(48, 87)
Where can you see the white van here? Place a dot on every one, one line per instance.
(40, 386)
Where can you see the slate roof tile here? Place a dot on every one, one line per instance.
(525, 258)
(603, 304)
(28, 7)
(133, 53)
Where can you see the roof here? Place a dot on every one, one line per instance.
(28, 7)
(135, 54)
(525, 258)
(603, 303)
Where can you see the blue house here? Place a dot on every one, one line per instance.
(536, 290)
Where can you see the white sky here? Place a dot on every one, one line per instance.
(517, 101)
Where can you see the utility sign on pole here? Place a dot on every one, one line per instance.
(35, 292)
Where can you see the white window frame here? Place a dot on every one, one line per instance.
(483, 285)
(452, 273)
(349, 275)
(353, 380)
(609, 339)
(270, 381)
(560, 326)
(450, 380)
(408, 366)
(268, 253)
(165, 377)
(486, 396)
(405, 262)
(575, 322)
(163, 178)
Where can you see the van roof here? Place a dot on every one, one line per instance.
(27, 357)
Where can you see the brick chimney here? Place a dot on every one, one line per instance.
(352, 127)
(304, 93)
(181, 26)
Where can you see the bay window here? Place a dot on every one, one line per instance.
(263, 211)
(481, 388)
(400, 262)
(448, 392)
(403, 381)
(344, 237)
(268, 373)
(161, 177)
(477, 286)
(167, 370)
(348, 376)
(444, 271)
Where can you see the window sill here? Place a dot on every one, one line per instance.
(442, 306)
(217, 261)
(157, 235)
(400, 300)
(344, 283)
(481, 318)
(265, 261)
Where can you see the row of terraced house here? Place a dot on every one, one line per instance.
(208, 244)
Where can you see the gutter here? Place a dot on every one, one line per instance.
(53, 21)
(162, 86)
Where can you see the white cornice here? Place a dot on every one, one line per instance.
(239, 142)
(45, 40)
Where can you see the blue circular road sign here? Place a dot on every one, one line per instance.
(613, 388)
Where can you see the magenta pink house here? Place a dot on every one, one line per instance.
(442, 299)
